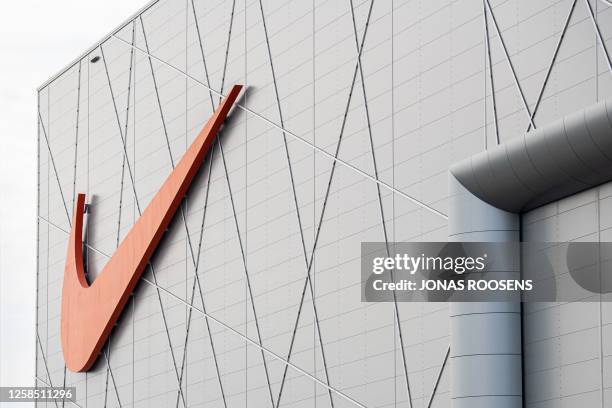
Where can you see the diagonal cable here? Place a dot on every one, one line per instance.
(599, 36)
(242, 251)
(59, 185)
(127, 118)
(162, 310)
(200, 42)
(301, 229)
(76, 137)
(489, 59)
(196, 283)
(193, 257)
(106, 354)
(439, 377)
(161, 112)
(301, 139)
(224, 325)
(42, 354)
(74, 170)
(333, 167)
(197, 259)
(49, 385)
(227, 46)
(507, 55)
(552, 63)
(380, 203)
(246, 271)
(66, 207)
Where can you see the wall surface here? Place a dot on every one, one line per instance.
(568, 358)
(267, 208)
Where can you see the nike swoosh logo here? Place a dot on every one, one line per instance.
(90, 312)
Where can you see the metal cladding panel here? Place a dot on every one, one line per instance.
(555, 161)
(565, 344)
(418, 99)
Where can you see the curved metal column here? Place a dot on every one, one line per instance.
(555, 161)
(485, 357)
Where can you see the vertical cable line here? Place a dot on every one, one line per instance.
(299, 221)
(380, 202)
(123, 144)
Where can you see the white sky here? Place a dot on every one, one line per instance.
(37, 39)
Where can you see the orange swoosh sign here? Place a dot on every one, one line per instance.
(90, 312)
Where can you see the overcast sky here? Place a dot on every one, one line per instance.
(37, 39)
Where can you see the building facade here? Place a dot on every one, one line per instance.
(353, 113)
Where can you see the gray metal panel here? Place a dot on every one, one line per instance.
(543, 166)
(566, 343)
